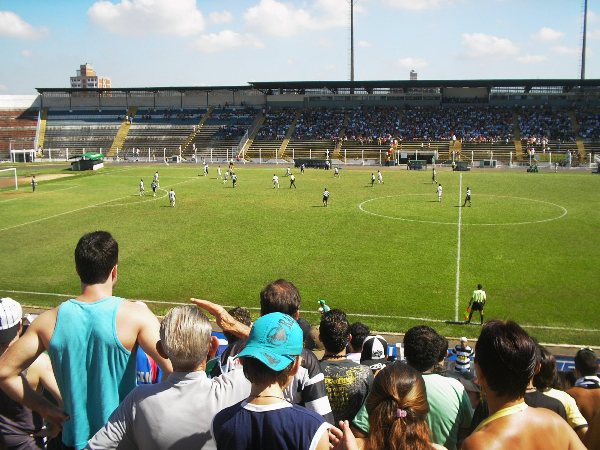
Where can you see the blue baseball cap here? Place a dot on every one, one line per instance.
(275, 340)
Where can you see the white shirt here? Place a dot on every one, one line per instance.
(275, 179)
(141, 185)
(468, 192)
(439, 189)
(171, 195)
(292, 177)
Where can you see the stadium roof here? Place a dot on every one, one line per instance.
(369, 86)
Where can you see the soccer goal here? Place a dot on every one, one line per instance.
(8, 178)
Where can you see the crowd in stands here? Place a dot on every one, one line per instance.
(589, 124)
(268, 389)
(544, 123)
(320, 124)
(276, 124)
(230, 132)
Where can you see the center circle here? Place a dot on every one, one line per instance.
(492, 210)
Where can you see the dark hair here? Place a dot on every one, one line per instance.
(422, 347)
(359, 331)
(586, 362)
(506, 356)
(398, 387)
(309, 341)
(334, 330)
(242, 315)
(546, 376)
(95, 256)
(479, 286)
(257, 372)
(279, 296)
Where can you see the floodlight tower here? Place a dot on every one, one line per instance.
(584, 38)
(352, 2)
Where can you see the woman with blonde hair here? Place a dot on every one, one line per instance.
(397, 407)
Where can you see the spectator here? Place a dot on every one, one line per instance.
(398, 410)
(586, 391)
(463, 357)
(90, 341)
(227, 359)
(309, 339)
(159, 416)
(18, 424)
(266, 420)
(307, 388)
(505, 361)
(545, 378)
(373, 354)
(450, 410)
(358, 332)
(347, 382)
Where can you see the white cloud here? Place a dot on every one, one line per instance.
(11, 25)
(412, 63)
(3, 88)
(220, 17)
(418, 5)
(531, 59)
(225, 40)
(363, 44)
(144, 17)
(592, 17)
(564, 50)
(276, 18)
(25, 53)
(548, 34)
(484, 45)
(594, 34)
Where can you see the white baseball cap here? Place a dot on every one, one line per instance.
(464, 339)
(10, 319)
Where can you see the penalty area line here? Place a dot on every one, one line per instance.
(373, 316)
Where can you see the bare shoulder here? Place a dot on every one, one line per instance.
(135, 312)
(44, 324)
(480, 440)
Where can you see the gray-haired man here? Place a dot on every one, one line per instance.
(178, 412)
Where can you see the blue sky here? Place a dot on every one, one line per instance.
(230, 42)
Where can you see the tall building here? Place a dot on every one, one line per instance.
(413, 75)
(88, 79)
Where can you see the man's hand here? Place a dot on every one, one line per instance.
(223, 318)
(55, 417)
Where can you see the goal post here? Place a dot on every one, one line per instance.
(8, 178)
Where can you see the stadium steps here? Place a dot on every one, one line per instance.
(338, 146)
(578, 139)
(517, 138)
(456, 148)
(42, 130)
(288, 136)
(258, 123)
(190, 139)
(122, 133)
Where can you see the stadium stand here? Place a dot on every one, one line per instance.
(17, 130)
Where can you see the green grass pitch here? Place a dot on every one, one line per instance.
(386, 254)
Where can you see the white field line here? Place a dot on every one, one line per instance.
(458, 250)
(373, 316)
(81, 209)
(38, 194)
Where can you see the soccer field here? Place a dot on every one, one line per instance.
(391, 255)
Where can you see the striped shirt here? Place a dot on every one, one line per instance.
(479, 296)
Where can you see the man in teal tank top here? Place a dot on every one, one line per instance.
(91, 341)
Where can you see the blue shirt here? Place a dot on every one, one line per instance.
(93, 370)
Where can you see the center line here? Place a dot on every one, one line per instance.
(458, 250)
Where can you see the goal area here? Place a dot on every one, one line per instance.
(8, 179)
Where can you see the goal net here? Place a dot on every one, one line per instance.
(8, 179)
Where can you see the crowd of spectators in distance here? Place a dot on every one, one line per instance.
(268, 389)
(545, 124)
(320, 124)
(589, 124)
(277, 123)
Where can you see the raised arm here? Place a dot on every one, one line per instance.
(223, 318)
(19, 357)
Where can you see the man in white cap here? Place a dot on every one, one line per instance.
(463, 357)
(17, 424)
